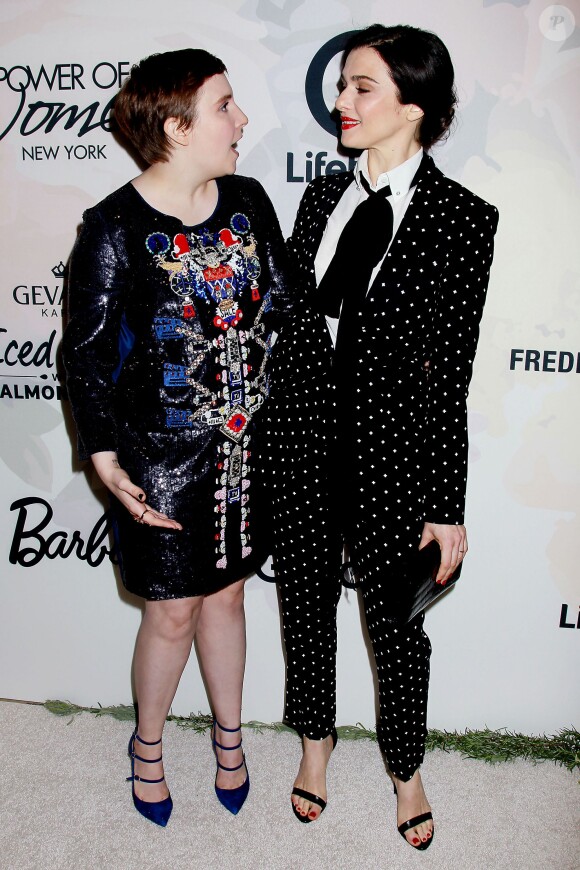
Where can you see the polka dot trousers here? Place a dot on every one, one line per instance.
(402, 664)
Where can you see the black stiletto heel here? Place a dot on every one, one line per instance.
(412, 823)
(309, 796)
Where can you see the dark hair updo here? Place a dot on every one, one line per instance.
(420, 66)
(159, 87)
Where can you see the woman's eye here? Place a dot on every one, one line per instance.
(224, 108)
(362, 90)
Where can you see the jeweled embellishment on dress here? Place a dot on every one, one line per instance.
(214, 266)
(217, 269)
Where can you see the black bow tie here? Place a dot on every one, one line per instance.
(361, 246)
(384, 191)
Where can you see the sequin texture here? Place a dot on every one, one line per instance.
(167, 354)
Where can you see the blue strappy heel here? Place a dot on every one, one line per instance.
(159, 811)
(231, 798)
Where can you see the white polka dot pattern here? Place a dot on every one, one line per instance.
(404, 459)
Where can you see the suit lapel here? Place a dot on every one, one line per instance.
(329, 197)
(422, 198)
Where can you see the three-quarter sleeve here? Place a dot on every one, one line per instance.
(97, 277)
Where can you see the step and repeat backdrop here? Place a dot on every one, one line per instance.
(505, 641)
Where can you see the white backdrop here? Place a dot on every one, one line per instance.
(505, 642)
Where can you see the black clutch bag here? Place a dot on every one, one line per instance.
(414, 588)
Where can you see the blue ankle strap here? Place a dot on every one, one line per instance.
(146, 760)
(230, 769)
(146, 742)
(229, 730)
(227, 748)
(135, 778)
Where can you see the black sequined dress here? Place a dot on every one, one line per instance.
(167, 357)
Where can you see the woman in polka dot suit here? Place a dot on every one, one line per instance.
(368, 417)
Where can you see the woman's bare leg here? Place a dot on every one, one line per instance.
(161, 653)
(221, 644)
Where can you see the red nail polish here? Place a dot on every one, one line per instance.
(424, 839)
(415, 840)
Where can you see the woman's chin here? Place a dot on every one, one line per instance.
(349, 139)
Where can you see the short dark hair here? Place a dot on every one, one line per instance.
(162, 86)
(420, 67)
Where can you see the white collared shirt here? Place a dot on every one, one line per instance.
(401, 194)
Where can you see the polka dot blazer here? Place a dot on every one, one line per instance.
(405, 460)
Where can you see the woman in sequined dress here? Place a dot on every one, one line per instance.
(176, 284)
(369, 400)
